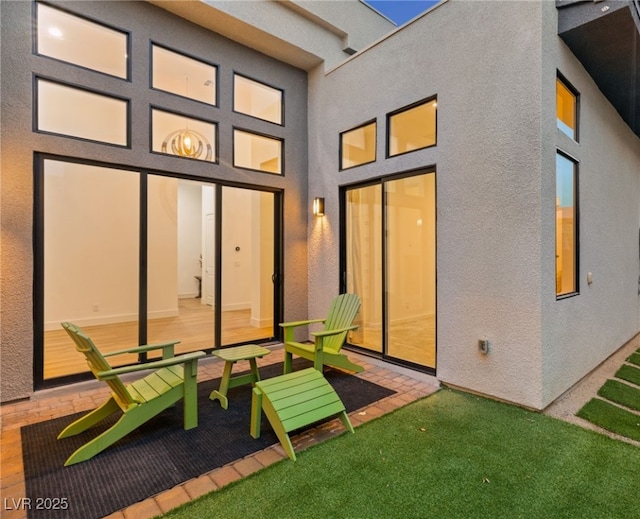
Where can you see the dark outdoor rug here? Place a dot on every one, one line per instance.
(158, 455)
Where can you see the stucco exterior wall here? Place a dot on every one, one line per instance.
(19, 143)
(488, 173)
(303, 32)
(579, 332)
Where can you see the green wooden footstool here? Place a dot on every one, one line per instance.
(249, 352)
(294, 400)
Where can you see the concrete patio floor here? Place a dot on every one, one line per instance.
(53, 403)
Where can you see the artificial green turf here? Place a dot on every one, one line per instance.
(634, 359)
(611, 418)
(629, 373)
(451, 455)
(621, 393)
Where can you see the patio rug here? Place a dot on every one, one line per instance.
(158, 455)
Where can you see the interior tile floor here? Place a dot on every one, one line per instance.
(53, 403)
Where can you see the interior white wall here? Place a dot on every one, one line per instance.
(90, 281)
(189, 238)
(162, 247)
(236, 234)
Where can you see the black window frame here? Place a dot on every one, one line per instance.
(154, 43)
(373, 121)
(259, 134)
(35, 112)
(576, 230)
(269, 85)
(215, 144)
(65, 10)
(390, 115)
(576, 94)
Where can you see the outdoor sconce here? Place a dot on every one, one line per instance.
(318, 206)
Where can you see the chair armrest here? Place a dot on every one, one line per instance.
(180, 359)
(294, 324)
(328, 333)
(164, 346)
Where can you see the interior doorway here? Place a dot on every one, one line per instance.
(389, 260)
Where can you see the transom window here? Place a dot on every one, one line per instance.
(257, 152)
(358, 146)
(256, 99)
(412, 128)
(566, 225)
(183, 76)
(183, 136)
(567, 108)
(76, 112)
(79, 41)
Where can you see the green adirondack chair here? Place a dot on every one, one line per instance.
(327, 345)
(174, 378)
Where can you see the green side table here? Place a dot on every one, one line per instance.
(249, 352)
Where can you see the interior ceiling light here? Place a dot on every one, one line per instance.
(55, 33)
(187, 143)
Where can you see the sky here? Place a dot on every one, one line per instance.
(401, 11)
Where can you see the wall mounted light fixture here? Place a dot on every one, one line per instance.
(318, 206)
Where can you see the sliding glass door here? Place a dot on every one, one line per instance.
(136, 258)
(389, 235)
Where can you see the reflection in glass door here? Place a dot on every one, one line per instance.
(390, 262)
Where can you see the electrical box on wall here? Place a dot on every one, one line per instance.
(483, 346)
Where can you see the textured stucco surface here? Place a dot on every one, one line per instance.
(19, 143)
(304, 33)
(487, 162)
(495, 167)
(582, 331)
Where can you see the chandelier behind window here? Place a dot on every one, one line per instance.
(186, 142)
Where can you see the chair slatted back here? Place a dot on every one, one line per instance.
(98, 363)
(342, 313)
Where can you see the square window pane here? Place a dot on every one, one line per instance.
(358, 146)
(412, 129)
(257, 152)
(566, 226)
(175, 134)
(76, 40)
(184, 76)
(257, 99)
(566, 108)
(80, 113)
